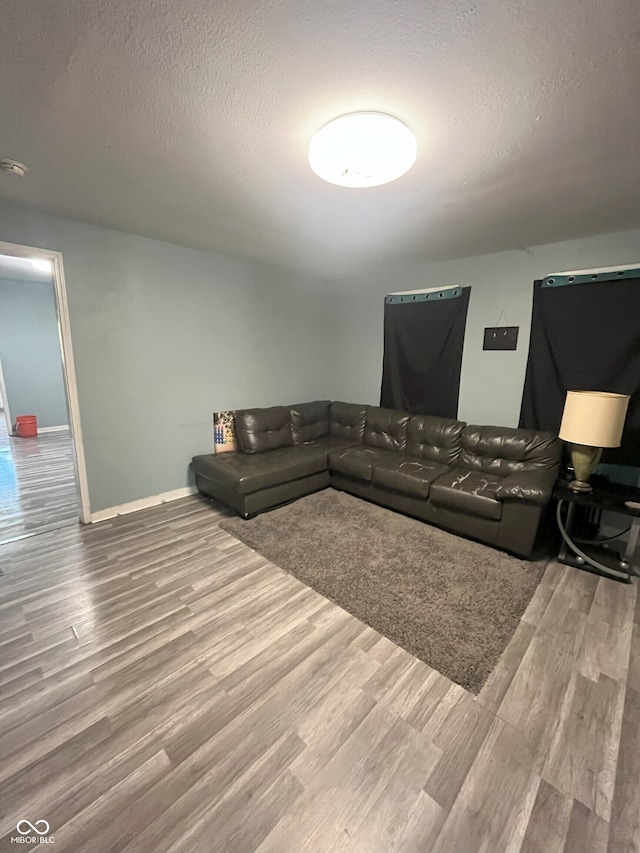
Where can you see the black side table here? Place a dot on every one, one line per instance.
(591, 556)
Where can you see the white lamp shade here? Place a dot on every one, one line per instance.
(594, 418)
(362, 150)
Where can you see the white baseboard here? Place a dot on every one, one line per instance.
(53, 428)
(143, 503)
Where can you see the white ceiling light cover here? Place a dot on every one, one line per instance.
(362, 150)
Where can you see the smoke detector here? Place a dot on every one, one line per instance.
(12, 167)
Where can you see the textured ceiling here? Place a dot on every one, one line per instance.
(189, 120)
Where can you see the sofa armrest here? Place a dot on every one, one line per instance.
(533, 485)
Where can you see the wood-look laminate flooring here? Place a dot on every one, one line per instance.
(165, 688)
(37, 483)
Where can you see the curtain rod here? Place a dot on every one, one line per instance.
(559, 279)
(429, 294)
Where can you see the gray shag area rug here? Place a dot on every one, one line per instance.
(453, 603)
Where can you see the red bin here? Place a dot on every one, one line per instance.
(27, 426)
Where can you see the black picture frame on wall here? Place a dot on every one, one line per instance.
(500, 338)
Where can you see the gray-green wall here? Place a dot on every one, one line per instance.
(30, 352)
(165, 335)
(491, 383)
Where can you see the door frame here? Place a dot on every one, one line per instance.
(68, 364)
(6, 413)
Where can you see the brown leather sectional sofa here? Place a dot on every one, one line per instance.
(489, 483)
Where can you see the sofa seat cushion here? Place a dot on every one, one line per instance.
(471, 492)
(247, 473)
(409, 475)
(359, 461)
(327, 443)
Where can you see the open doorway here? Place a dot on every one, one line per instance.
(42, 474)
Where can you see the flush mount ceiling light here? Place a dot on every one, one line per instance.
(362, 150)
(12, 167)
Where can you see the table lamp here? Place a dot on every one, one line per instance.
(591, 420)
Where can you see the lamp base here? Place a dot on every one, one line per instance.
(584, 458)
(580, 486)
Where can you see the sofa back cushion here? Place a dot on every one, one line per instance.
(347, 420)
(309, 420)
(259, 430)
(433, 438)
(503, 451)
(386, 428)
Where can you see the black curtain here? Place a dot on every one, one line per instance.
(423, 354)
(584, 337)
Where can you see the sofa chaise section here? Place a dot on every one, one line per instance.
(282, 454)
(253, 483)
